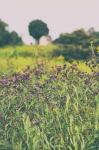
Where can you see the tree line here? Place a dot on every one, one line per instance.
(7, 37)
(38, 28)
(79, 37)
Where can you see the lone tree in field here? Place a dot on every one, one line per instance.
(37, 29)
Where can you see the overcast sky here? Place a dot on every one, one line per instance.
(60, 15)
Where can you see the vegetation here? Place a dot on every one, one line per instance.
(42, 109)
(47, 102)
(16, 59)
(8, 38)
(38, 28)
(79, 38)
(49, 95)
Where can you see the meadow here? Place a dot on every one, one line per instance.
(48, 102)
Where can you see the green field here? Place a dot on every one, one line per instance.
(48, 102)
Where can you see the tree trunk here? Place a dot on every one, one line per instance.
(37, 42)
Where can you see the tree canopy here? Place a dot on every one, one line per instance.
(8, 38)
(79, 37)
(38, 28)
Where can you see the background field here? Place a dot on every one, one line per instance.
(17, 58)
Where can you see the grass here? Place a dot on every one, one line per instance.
(19, 57)
(52, 105)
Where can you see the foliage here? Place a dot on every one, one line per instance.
(7, 38)
(42, 109)
(79, 37)
(3, 26)
(38, 28)
(70, 52)
(15, 39)
(47, 102)
(16, 59)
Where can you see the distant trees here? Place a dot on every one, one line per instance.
(8, 38)
(38, 28)
(79, 37)
(78, 44)
(3, 26)
(15, 38)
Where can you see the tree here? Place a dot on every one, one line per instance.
(15, 39)
(4, 35)
(4, 38)
(3, 26)
(78, 37)
(8, 38)
(38, 28)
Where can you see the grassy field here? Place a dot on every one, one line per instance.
(47, 102)
(16, 59)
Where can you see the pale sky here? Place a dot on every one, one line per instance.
(61, 16)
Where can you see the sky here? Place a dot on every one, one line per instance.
(61, 16)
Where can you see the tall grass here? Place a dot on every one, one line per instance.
(49, 110)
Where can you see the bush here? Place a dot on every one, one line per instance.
(72, 52)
